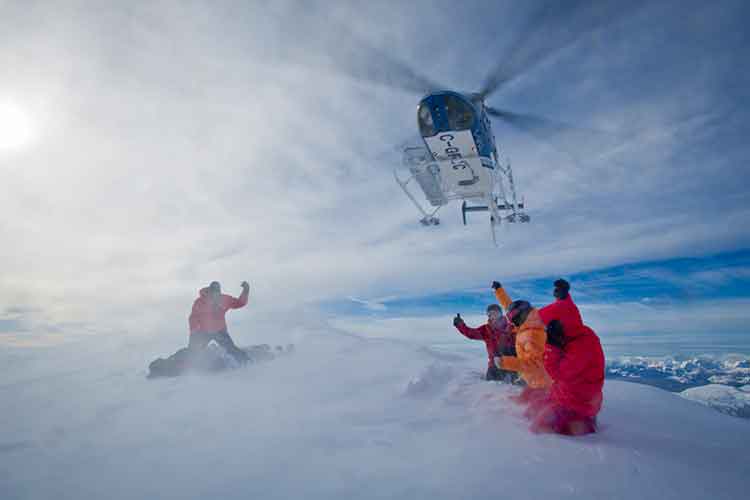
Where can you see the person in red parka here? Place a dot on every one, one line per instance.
(497, 337)
(563, 308)
(207, 320)
(574, 359)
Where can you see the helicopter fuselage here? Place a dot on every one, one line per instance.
(459, 160)
(441, 113)
(456, 133)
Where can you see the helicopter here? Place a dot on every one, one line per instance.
(457, 157)
(459, 161)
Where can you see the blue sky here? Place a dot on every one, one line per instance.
(168, 145)
(681, 281)
(691, 307)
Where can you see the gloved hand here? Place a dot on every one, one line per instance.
(555, 335)
(245, 285)
(458, 320)
(496, 285)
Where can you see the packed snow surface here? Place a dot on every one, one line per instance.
(343, 417)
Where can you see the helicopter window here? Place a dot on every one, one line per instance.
(460, 113)
(426, 125)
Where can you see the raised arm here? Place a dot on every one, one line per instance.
(551, 312)
(241, 301)
(502, 295)
(472, 333)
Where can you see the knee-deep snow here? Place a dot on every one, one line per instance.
(344, 417)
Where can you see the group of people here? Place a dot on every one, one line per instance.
(550, 351)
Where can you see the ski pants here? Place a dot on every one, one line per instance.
(199, 340)
(494, 373)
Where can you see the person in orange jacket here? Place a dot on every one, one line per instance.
(530, 344)
(207, 320)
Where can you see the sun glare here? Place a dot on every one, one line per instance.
(16, 129)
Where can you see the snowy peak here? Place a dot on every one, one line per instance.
(680, 373)
(726, 399)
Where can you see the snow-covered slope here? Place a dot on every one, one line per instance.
(344, 417)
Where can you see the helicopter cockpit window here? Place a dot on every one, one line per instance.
(460, 113)
(426, 125)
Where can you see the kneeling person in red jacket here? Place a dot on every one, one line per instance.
(498, 338)
(207, 321)
(575, 362)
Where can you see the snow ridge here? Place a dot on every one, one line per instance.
(677, 373)
(735, 402)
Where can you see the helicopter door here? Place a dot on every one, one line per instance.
(461, 169)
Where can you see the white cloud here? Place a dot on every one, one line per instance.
(179, 148)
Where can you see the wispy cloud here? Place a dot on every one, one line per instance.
(183, 143)
(692, 283)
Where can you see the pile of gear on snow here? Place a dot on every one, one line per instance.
(211, 359)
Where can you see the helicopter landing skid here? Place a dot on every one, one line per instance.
(428, 219)
(495, 218)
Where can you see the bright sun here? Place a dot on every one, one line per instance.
(16, 129)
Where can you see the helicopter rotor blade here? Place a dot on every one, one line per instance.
(536, 125)
(563, 137)
(552, 28)
(390, 72)
(346, 53)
